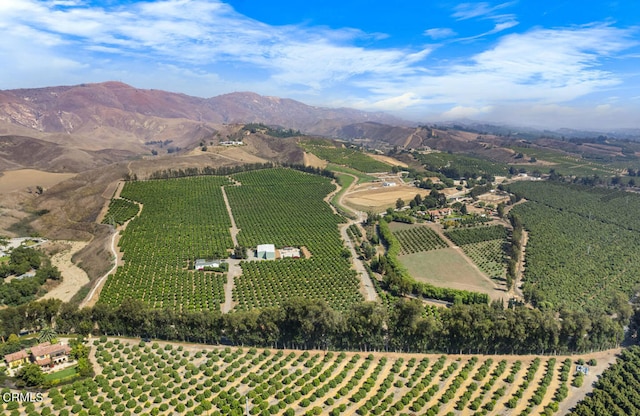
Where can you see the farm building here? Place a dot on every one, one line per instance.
(290, 252)
(202, 264)
(266, 251)
(439, 213)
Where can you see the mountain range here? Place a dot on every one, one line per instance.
(116, 115)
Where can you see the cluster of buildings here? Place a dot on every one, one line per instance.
(263, 252)
(269, 252)
(46, 355)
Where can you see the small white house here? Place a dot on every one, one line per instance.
(202, 264)
(266, 251)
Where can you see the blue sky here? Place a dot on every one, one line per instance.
(529, 62)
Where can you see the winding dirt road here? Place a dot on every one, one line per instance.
(369, 290)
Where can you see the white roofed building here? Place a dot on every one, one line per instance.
(266, 251)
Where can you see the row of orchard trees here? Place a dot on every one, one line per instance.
(306, 324)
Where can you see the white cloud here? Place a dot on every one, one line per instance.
(206, 48)
(440, 33)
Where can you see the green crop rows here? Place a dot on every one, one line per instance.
(454, 165)
(165, 379)
(352, 158)
(464, 236)
(186, 218)
(286, 208)
(485, 246)
(120, 211)
(584, 244)
(617, 390)
(418, 238)
(182, 219)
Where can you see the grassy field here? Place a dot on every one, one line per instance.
(362, 177)
(447, 268)
(345, 182)
(162, 378)
(349, 157)
(62, 374)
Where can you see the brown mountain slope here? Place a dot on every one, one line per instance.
(19, 152)
(116, 115)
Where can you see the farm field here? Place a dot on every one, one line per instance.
(583, 246)
(120, 211)
(182, 219)
(566, 164)
(485, 246)
(160, 378)
(291, 215)
(445, 267)
(414, 239)
(186, 218)
(352, 158)
(375, 197)
(455, 165)
(616, 391)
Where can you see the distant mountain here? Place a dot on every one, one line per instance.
(116, 115)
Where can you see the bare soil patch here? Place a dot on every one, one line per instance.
(389, 160)
(378, 198)
(312, 160)
(73, 277)
(15, 180)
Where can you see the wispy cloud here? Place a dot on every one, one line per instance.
(205, 47)
(440, 33)
(465, 11)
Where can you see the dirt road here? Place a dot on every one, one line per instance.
(369, 290)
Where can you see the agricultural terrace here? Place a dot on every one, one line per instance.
(340, 155)
(486, 246)
(567, 164)
(286, 207)
(584, 244)
(183, 219)
(162, 378)
(120, 211)
(457, 166)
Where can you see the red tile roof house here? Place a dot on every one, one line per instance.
(49, 355)
(16, 359)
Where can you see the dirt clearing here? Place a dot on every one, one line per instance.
(16, 180)
(378, 198)
(73, 277)
(312, 160)
(391, 161)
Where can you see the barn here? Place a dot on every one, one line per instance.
(266, 251)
